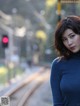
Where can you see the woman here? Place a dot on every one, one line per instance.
(65, 71)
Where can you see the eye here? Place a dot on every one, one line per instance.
(71, 36)
(64, 39)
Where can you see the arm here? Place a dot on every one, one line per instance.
(55, 85)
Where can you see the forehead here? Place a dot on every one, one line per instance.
(67, 33)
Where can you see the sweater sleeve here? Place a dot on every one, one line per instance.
(55, 84)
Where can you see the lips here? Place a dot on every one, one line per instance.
(72, 48)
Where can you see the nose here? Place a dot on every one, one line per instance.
(69, 42)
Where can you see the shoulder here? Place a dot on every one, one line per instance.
(57, 61)
(56, 66)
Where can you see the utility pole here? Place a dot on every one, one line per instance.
(59, 10)
(9, 50)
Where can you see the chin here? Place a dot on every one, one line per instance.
(75, 51)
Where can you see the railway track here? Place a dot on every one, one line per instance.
(21, 94)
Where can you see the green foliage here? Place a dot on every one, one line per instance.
(51, 18)
(5, 73)
(71, 9)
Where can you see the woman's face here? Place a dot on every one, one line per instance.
(71, 40)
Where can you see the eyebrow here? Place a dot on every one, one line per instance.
(68, 35)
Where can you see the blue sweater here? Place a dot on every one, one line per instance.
(65, 81)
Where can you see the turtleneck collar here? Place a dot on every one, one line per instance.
(76, 55)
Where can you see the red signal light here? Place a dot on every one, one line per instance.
(5, 40)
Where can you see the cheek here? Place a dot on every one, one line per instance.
(78, 40)
(65, 44)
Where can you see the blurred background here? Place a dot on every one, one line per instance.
(27, 33)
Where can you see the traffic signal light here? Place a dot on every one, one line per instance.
(5, 41)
